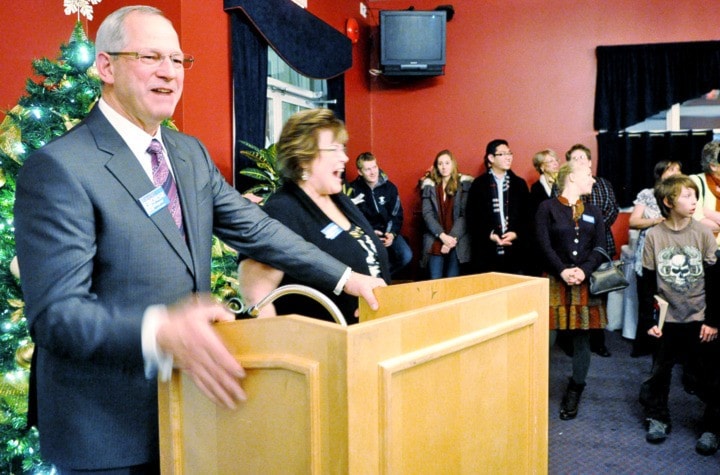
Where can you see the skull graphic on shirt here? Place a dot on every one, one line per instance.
(680, 267)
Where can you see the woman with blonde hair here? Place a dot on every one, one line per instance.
(568, 232)
(546, 164)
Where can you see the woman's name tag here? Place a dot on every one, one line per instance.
(588, 219)
(331, 231)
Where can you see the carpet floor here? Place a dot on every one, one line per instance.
(608, 435)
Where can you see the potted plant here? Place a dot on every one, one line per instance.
(265, 172)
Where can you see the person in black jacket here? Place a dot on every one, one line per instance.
(603, 197)
(498, 214)
(378, 199)
(546, 164)
(311, 158)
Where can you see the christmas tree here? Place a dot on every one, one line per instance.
(49, 108)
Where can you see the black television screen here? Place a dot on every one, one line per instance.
(412, 43)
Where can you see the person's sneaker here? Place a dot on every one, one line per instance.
(657, 431)
(707, 444)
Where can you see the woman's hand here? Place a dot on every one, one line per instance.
(573, 276)
(448, 240)
(568, 275)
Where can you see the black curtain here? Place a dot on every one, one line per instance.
(307, 44)
(628, 159)
(637, 81)
(250, 63)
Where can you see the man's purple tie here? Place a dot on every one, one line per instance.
(162, 177)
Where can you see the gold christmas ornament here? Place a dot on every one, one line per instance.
(23, 355)
(19, 311)
(70, 123)
(10, 136)
(15, 267)
(14, 390)
(92, 72)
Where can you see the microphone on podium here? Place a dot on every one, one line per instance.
(242, 311)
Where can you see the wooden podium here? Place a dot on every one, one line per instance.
(448, 377)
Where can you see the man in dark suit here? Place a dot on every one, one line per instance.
(498, 214)
(113, 240)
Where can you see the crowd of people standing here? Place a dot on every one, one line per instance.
(560, 228)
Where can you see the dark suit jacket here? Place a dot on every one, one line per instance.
(481, 221)
(92, 261)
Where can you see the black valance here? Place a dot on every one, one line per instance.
(307, 44)
(628, 159)
(637, 81)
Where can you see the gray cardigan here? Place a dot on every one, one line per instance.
(431, 217)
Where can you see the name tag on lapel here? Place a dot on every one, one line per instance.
(588, 219)
(331, 231)
(154, 201)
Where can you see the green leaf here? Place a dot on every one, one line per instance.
(256, 174)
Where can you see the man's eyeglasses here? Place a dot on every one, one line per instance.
(178, 60)
(503, 154)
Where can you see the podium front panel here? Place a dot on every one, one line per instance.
(294, 419)
(460, 385)
(449, 376)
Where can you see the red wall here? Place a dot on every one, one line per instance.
(30, 30)
(516, 69)
(523, 70)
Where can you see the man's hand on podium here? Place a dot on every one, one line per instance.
(362, 285)
(187, 334)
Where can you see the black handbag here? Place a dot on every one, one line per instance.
(608, 277)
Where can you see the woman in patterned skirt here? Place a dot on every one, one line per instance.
(567, 232)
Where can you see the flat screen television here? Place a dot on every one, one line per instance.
(412, 43)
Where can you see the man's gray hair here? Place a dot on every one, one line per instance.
(111, 34)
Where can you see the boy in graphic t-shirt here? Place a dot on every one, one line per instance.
(678, 265)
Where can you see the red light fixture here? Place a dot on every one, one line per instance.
(352, 30)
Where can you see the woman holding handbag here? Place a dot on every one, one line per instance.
(568, 231)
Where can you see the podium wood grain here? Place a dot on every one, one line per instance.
(448, 376)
